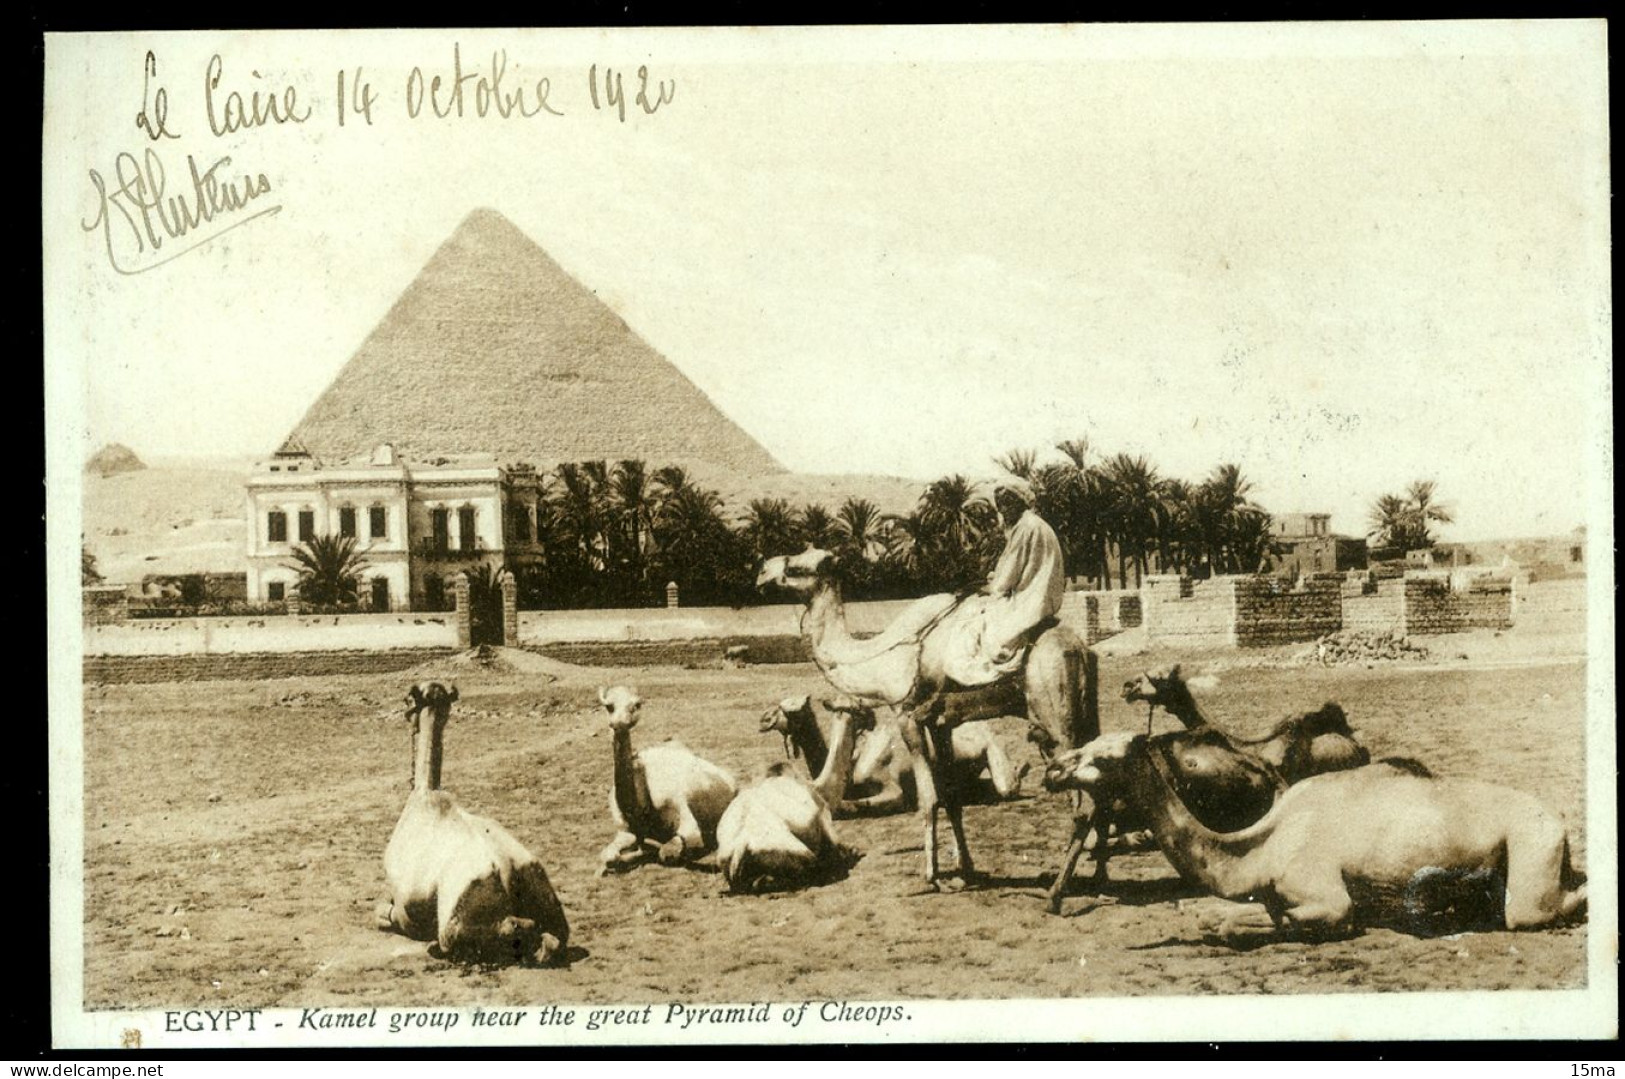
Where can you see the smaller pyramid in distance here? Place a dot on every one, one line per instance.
(113, 459)
(495, 349)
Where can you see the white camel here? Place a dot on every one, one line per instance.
(779, 831)
(905, 666)
(1379, 844)
(883, 768)
(664, 798)
(461, 880)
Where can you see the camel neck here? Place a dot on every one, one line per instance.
(1182, 706)
(427, 750)
(807, 739)
(1219, 861)
(628, 795)
(825, 617)
(837, 771)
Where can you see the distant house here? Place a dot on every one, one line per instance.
(418, 522)
(1305, 544)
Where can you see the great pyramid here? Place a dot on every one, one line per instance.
(495, 349)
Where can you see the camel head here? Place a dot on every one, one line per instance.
(797, 572)
(1152, 687)
(1089, 765)
(432, 696)
(778, 717)
(622, 704)
(861, 715)
(1329, 719)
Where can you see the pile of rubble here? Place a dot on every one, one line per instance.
(1352, 646)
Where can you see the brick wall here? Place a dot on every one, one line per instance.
(1270, 612)
(1183, 613)
(1376, 612)
(106, 603)
(1432, 606)
(252, 665)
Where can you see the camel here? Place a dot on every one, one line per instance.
(884, 767)
(903, 667)
(459, 880)
(663, 797)
(780, 830)
(1375, 845)
(1298, 747)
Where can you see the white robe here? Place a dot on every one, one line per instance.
(1026, 587)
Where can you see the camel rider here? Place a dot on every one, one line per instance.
(1024, 590)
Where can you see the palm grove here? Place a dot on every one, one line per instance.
(614, 535)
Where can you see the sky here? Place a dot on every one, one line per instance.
(1345, 257)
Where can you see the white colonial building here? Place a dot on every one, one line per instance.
(417, 522)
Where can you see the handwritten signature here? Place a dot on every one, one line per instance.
(151, 217)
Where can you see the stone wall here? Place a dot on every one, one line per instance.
(1268, 611)
(252, 665)
(696, 652)
(1184, 613)
(270, 634)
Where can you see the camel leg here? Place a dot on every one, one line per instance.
(955, 813)
(688, 839)
(1006, 779)
(1535, 893)
(1068, 865)
(892, 798)
(925, 792)
(1320, 908)
(624, 851)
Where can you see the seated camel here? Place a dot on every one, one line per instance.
(664, 799)
(1298, 747)
(1376, 845)
(883, 769)
(461, 880)
(779, 831)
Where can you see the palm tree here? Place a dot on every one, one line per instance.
(1019, 463)
(1137, 512)
(329, 569)
(859, 527)
(1390, 519)
(769, 527)
(1425, 510)
(88, 573)
(631, 509)
(814, 525)
(484, 605)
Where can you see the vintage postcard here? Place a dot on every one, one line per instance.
(1093, 533)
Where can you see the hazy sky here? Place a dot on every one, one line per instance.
(1345, 257)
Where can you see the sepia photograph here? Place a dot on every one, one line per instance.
(830, 534)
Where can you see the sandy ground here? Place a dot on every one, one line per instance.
(234, 835)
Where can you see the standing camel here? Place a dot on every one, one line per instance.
(461, 880)
(903, 666)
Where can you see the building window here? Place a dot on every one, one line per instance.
(347, 521)
(380, 593)
(465, 528)
(276, 526)
(434, 593)
(521, 523)
(439, 526)
(378, 521)
(307, 525)
(276, 592)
